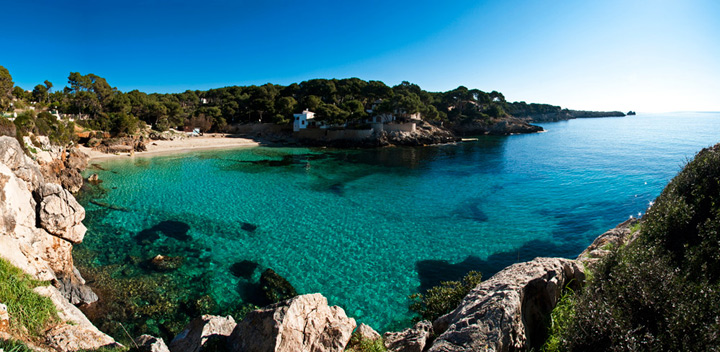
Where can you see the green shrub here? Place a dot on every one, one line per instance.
(561, 320)
(661, 292)
(440, 300)
(27, 309)
(7, 127)
(359, 344)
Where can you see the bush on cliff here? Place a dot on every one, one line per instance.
(662, 291)
(442, 299)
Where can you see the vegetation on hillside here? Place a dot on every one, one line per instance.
(662, 291)
(99, 106)
(30, 313)
(442, 299)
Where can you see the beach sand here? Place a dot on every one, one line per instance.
(156, 148)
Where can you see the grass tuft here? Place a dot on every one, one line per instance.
(28, 311)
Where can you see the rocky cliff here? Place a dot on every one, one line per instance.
(39, 223)
(497, 127)
(566, 114)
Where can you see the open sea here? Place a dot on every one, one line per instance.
(368, 228)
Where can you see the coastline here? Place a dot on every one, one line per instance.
(170, 147)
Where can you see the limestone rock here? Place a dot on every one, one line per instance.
(612, 238)
(147, 343)
(366, 332)
(76, 333)
(12, 156)
(410, 340)
(60, 214)
(197, 333)
(75, 291)
(302, 323)
(509, 311)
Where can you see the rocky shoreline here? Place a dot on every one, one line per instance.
(42, 220)
(565, 114)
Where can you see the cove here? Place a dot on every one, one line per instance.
(366, 228)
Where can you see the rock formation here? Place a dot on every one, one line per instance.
(410, 340)
(509, 311)
(504, 126)
(147, 343)
(615, 237)
(366, 332)
(76, 332)
(197, 333)
(302, 323)
(39, 222)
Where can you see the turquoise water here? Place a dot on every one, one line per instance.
(367, 228)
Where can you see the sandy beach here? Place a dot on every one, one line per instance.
(159, 147)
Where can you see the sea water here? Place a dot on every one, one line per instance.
(368, 228)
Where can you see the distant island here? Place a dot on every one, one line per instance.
(329, 112)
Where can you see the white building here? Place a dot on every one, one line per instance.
(303, 119)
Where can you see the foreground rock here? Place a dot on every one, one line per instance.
(147, 343)
(39, 223)
(366, 332)
(303, 323)
(509, 311)
(197, 333)
(410, 340)
(76, 332)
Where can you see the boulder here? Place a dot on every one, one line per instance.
(410, 340)
(197, 333)
(366, 332)
(275, 288)
(60, 214)
(75, 332)
(147, 343)
(302, 323)
(510, 311)
(75, 291)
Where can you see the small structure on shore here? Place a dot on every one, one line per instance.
(302, 120)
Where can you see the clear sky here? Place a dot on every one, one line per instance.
(648, 56)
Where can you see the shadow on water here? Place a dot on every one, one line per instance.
(171, 228)
(433, 272)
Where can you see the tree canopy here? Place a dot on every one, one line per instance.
(336, 101)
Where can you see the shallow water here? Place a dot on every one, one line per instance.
(367, 228)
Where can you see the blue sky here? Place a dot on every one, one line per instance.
(605, 55)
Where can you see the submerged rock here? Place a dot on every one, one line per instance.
(275, 288)
(248, 227)
(303, 323)
(164, 263)
(244, 269)
(510, 311)
(171, 228)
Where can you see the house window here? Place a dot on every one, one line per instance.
(303, 122)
